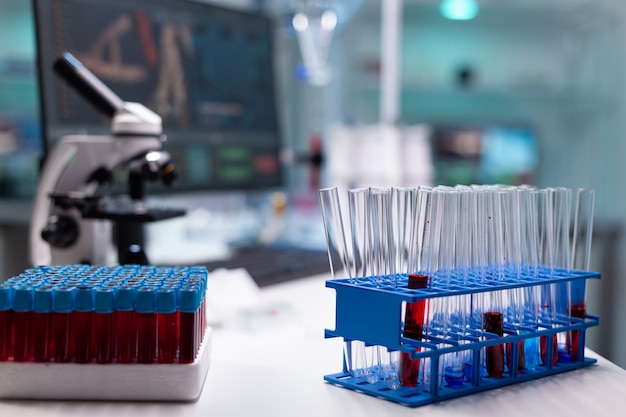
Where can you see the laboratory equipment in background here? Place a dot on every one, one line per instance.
(379, 155)
(74, 210)
(485, 153)
(208, 71)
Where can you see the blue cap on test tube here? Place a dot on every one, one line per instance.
(105, 300)
(166, 300)
(84, 301)
(63, 299)
(5, 298)
(125, 298)
(23, 299)
(146, 298)
(189, 299)
(43, 299)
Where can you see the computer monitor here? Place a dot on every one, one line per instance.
(491, 153)
(206, 70)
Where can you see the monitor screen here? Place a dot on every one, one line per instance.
(206, 70)
(485, 154)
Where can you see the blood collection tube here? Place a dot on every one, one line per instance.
(203, 306)
(42, 323)
(6, 322)
(413, 328)
(146, 324)
(62, 307)
(103, 324)
(188, 305)
(125, 325)
(492, 323)
(197, 283)
(82, 322)
(22, 316)
(167, 325)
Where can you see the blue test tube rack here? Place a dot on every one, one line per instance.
(370, 310)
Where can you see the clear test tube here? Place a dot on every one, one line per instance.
(479, 242)
(6, 322)
(338, 255)
(530, 245)
(492, 315)
(382, 250)
(453, 308)
(403, 210)
(383, 269)
(562, 220)
(358, 204)
(430, 262)
(355, 351)
(465, 264)
(581, 253)
(480, 272)
(421, 226)
(514, 317)
(547, 311)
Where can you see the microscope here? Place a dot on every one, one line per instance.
(76, 217)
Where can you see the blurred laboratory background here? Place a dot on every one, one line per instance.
(293, 95)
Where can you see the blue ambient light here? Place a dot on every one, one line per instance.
(459, 9)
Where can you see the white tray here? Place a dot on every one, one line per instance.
(125, 382)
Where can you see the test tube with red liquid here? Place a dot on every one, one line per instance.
(403, 215)
(42, 323)
(561, 200)
(188, 305)
(62, 307)
(492, 318)
(145, 309)
(82, 325)
(103, 324)
(494, 355)
(81, 314)
(413, 329)
(581, 253)
(22, 324)
(6, 323)
(167, 325)
(125, 325)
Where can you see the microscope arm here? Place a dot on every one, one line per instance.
(66, 171)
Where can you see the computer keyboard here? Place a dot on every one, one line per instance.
(269, 265)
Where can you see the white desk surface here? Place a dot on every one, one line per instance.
(275, 367)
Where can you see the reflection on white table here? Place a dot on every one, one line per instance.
(269, 358)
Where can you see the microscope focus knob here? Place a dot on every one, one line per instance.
(61, 231)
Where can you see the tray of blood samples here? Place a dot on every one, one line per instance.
(104, 333)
